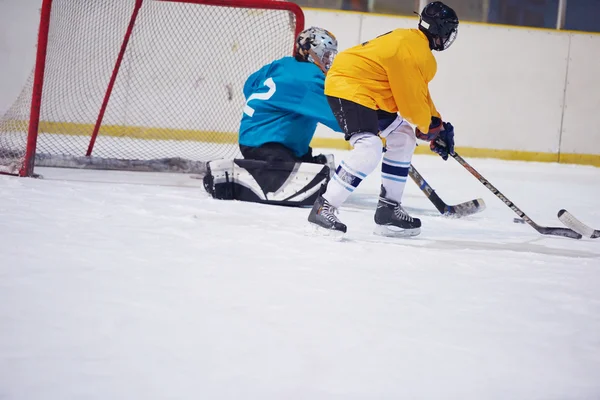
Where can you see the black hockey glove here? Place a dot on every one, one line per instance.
(444, 143)
(309, 158)
(319, 159)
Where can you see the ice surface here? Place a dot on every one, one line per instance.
(118, 285)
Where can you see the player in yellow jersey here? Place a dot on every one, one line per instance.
(375, 90)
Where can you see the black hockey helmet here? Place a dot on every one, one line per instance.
(440, 24)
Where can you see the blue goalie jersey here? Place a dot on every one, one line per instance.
(284, 102)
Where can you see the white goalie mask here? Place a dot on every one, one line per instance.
(316, 42)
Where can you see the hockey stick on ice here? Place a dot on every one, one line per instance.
(458, 210)
(573, 223)
(544, 230)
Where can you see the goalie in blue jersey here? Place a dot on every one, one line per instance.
(285, 101)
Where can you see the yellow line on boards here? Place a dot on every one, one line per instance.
(581, 159)
(517, 155)
(330, 143)
(138, 132)
(514, 155)
(154, 133)
(499, 154)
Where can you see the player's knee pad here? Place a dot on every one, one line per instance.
(354, 167)
(401, 142)
(387, 127)
(366, 153)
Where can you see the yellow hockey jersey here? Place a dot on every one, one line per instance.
(391, 73)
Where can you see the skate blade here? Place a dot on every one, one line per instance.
(393, 231)
(316, 230)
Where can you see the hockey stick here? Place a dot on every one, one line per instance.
(458, 210)
(544, 230)
(573, 223)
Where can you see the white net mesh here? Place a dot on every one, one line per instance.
(178, 91)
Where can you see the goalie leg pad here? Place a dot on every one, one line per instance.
(279, 183)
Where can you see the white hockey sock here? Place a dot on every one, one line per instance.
(354, 167)
(400, 144)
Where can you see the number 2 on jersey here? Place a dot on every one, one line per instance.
(249, 111)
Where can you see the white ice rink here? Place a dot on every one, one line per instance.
(130, 286)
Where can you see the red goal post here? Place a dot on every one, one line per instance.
(141, 84)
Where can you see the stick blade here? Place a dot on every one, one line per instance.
(465, 209)
(564, 232)
(573, 223)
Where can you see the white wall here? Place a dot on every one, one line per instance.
(503, 88)
(501, 98)
(581, 124)
(18, 29)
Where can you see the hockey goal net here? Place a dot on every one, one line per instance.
(141, 84)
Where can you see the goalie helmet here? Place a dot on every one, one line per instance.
(322, 43)
(440, 24)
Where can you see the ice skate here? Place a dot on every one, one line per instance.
(322, 217)
(392, 220)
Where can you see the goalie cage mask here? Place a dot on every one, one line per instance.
(322, 43)
(440, 24)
